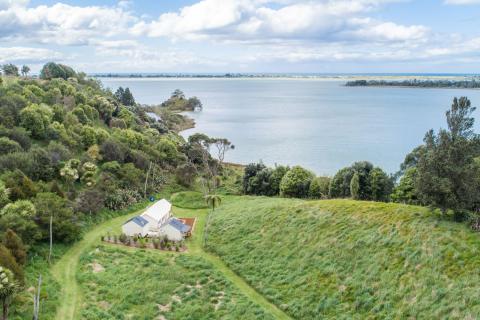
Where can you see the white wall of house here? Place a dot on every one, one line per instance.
(172, 233)
(131, 228)
(157, 214)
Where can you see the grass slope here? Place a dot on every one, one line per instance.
(143, 284)
(342, 259)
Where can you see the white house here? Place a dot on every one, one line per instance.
(136, 226)
(174, 229)
(158, 214)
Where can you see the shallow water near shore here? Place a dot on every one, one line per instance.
(319, 124)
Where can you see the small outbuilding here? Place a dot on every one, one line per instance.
(174, 230)
(137, 226)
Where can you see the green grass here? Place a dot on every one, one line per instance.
(188, 200)
(342, 259)
(144, 284)
(76, 303)
(37, 264)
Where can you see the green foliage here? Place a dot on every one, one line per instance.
(125, 97)
(296, 183)
(319, 188)
(8, 289)
(65, 224)
(19, 217)
(7, 260)
(10, 70)
(260, 180)
(359, 260)
(213, 201)
(405, 191)
(355, 186)
(15, 245)
(447, 173)
(9, 146)
(36, 119)
(4, 195)
(53, 70)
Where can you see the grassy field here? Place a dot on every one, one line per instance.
(85, 294)
(341, 259)
(143, 284)
(189, 200)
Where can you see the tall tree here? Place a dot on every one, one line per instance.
(10, 70)
(447, 174)
(25, 70)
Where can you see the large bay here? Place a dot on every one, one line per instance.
(316, 123)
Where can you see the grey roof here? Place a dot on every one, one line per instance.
(179, 225)
(141, 221)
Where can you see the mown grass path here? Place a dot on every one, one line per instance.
(65, 269)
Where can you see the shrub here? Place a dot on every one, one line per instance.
(111, 150)
(123, 238)
(19, 217)
(7, 260)
(9, 146)
(296, 182)
(36, 119)
(122, 198)
(16, 247)
(65, 224)
(319, 188)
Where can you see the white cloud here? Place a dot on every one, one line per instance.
(61, 23)
(255, 20)
(27, 55)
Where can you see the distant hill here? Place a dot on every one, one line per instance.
(343, 259)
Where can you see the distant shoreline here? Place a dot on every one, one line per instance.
(269, 76)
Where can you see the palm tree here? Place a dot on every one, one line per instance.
(25, 70)
(213, 201)
(8, 288)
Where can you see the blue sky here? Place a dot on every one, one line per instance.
(322, 36)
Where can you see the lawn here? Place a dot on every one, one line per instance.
(144, 284)
(342, 259)
(188, 200)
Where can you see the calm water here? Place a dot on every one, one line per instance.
(318, 124)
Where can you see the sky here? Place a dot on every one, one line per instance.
(244, 36)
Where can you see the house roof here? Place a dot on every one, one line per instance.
(158, 210)
(179, 225)
(139, 220)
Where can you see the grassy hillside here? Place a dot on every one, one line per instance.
(341, 259)
(160, 286)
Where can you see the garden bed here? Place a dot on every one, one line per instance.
(146, 243)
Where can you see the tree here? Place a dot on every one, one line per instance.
(4, 195)
(9, 146)
(355, 186)
(53, 70)
(250, 171)
(276, 177)
(296, 183)
(213, 201)
(15, 245)
(380, 185)
(8, 288)
(405, 191)
(125, 97)
(447, 174)
(36, 119)
(10, 70)
(19, 216)
(340, 184)
(65, 225)
(319, 188)
(222, 145)
(25, 70)
(178, 94)
(7, 260)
